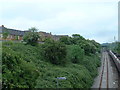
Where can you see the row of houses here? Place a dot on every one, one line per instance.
(14, 34)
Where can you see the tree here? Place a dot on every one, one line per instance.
(75, 35)
(117, 48)
(33, 29)
(78, 36)
(75, 53)
(65, 40)
(76, 39)
(16, 37)
(32, 36)
(89, 47)
(54, 52)
(5, 33)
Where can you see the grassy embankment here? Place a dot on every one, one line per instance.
(24, 66)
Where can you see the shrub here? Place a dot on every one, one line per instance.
(21, 62)
(118, 48)
(65, 40)
(77, 76)
(5, 33)
(75, 54)
(54, 52)
(31, 37)
(16, 72)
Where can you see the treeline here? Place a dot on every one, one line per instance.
(115, 46)
(38, 65)
(75, 47)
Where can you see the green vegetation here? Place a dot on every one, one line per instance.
(5, 33)
(31, 36)
(16, 70)
(75, 54)
(117, 48)
(55, 52)
(16, 37)
(25, 65)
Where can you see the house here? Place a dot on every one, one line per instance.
(44, 35)
(57, 37)
(13, 34)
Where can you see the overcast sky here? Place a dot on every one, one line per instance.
(93, 19)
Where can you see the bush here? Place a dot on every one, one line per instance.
(31, 37)
(75, 54)
(77, 76)
(118, 48)
(91, 63)
(16, 72)
(88, 47)
(22, 64)
(65, 40)
(54, 52)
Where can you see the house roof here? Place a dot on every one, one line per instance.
(12, 31)
(45, 34)
(16, 32)
(60, 35)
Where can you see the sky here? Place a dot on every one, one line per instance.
(93, 19)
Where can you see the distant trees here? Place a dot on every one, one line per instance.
(117, 47)
(32, 36)
(89, 46)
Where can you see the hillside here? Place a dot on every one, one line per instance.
(26, 66)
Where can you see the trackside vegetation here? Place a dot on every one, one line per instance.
(117, 48)
(38, 65)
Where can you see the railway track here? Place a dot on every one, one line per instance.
(104, 77)
(108, 73)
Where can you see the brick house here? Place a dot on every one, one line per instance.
(12, 33)
(44, 35)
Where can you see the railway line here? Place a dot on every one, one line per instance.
(104, 77)
(109, 76)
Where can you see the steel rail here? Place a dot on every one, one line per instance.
(102, 73)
